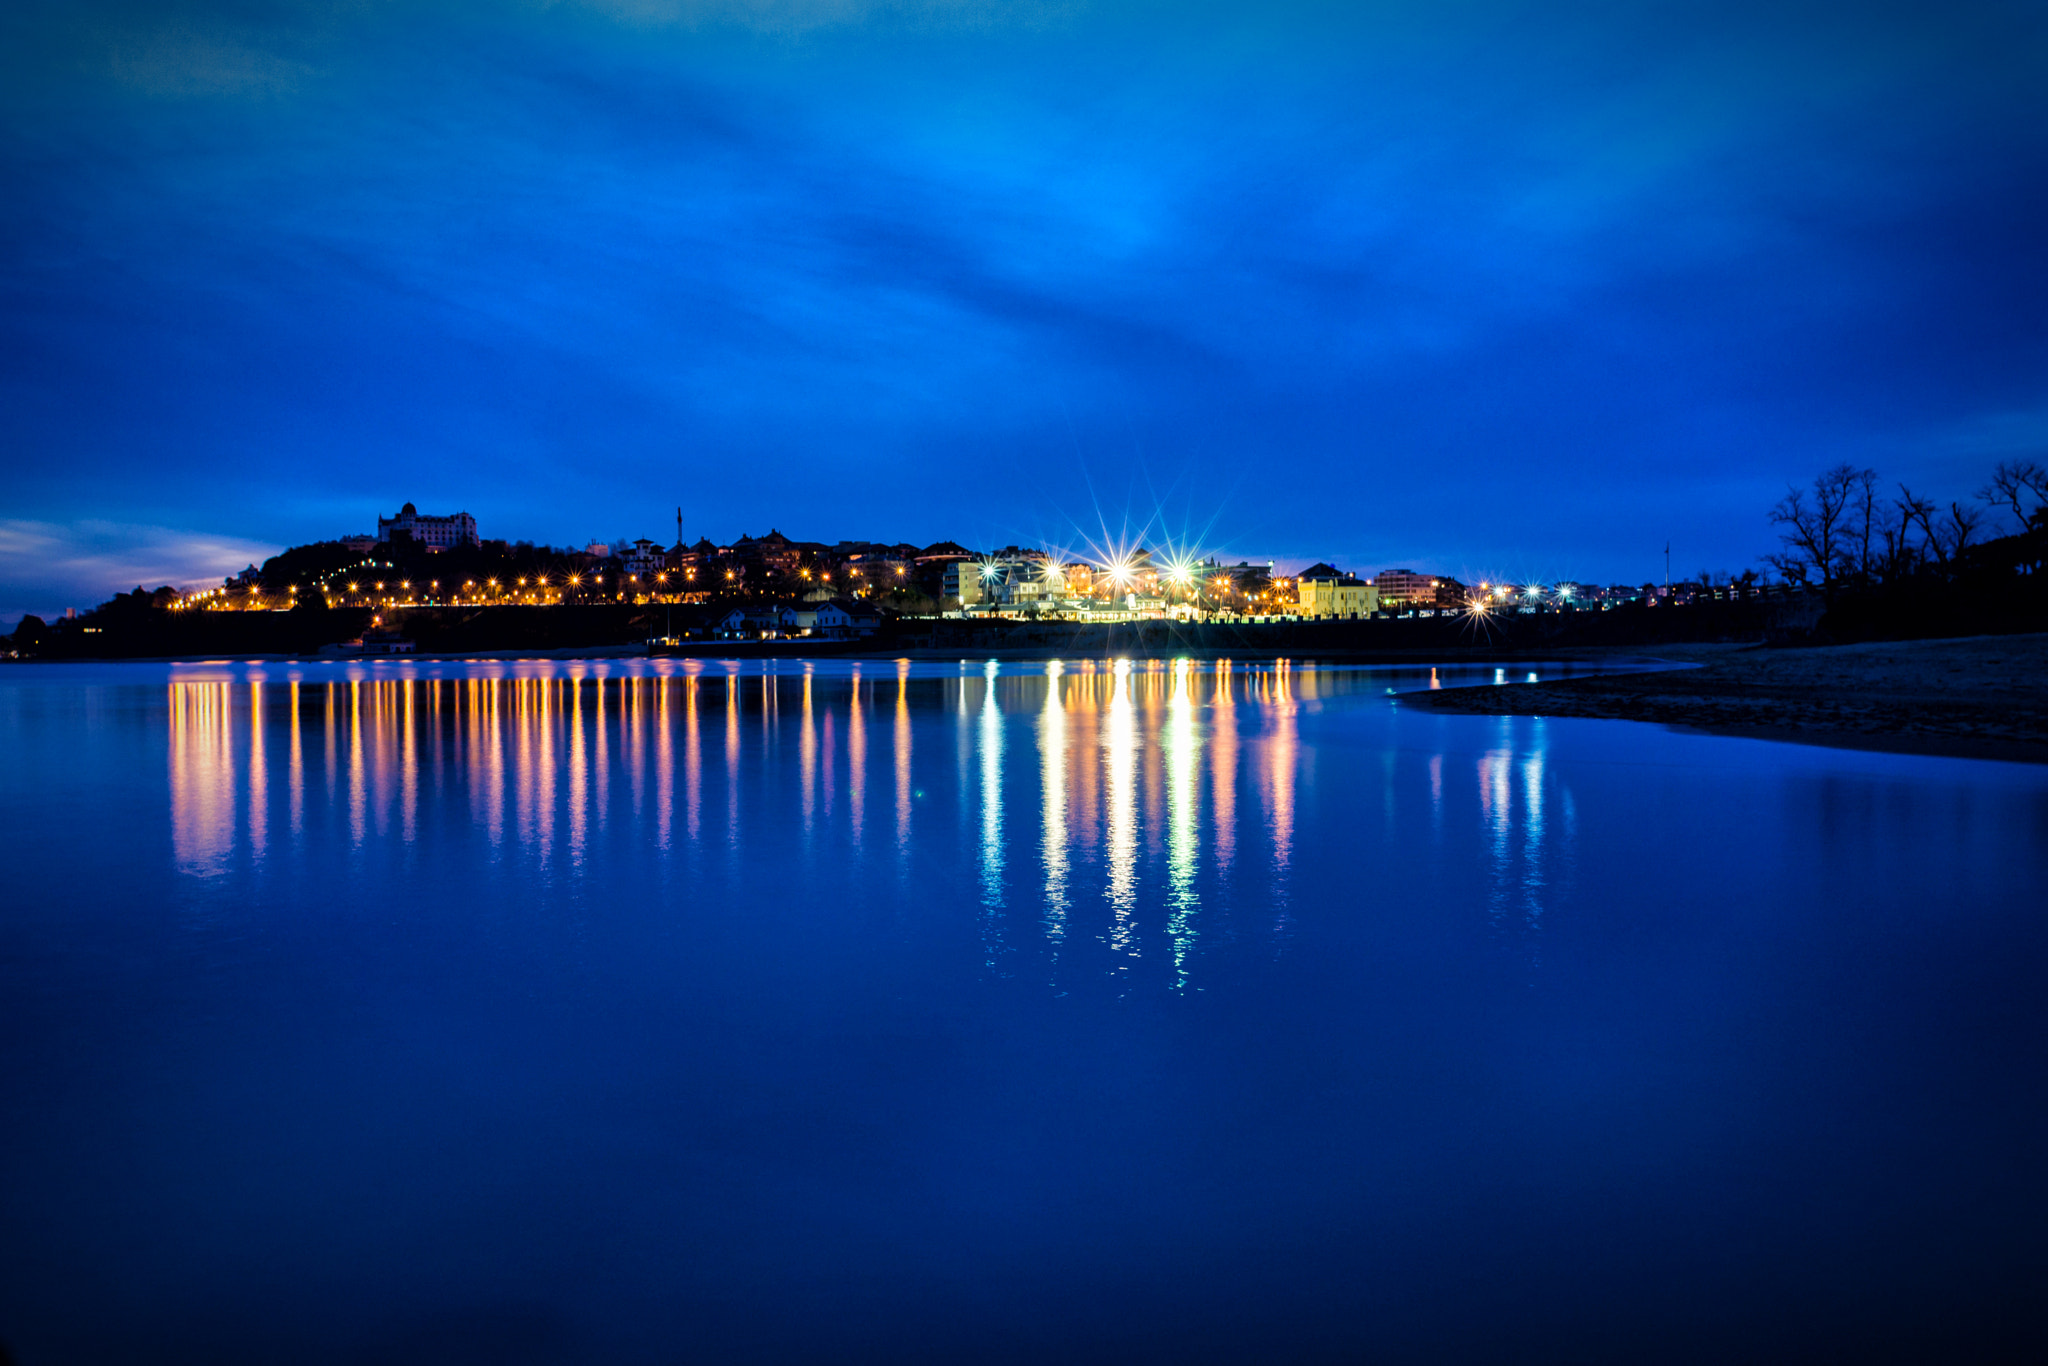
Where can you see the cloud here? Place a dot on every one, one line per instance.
(2014, 433)
(673, 244)
(790, 17)
(183, 63)
(48, 566)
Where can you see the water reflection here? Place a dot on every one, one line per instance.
(1120, 760)
(1053, 842)
(202, 779)
(902, 739)
(856, 761)
(990, 743)
(1182, 758)
(1282, 754)
(1117, 818)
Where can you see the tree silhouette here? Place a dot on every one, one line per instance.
(1816, 532)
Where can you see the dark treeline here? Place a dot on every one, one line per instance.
(129, 628)
(1890, 564)
(142, 624)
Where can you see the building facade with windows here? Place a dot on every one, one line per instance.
(1322, 591)
(1405, 585)
(435, 533)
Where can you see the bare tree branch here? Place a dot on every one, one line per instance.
(1901, 554)
(1922, 512)
(1816, 534)
(1962, 523)
(2015, 484)
(1865, 512)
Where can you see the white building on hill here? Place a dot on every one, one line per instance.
(435, 533)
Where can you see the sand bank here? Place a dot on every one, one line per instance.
(1981, 697)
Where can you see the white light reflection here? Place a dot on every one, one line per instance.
(1436, 797)
(1120, 764)
(1529, 830)
(1183, 770)
(1495, 779)
(1053, 837)
(990, 743)
(1533, 879)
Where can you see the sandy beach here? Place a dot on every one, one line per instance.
(1980, 697)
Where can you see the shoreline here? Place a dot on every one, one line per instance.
(1973, 697)
(1570, 654)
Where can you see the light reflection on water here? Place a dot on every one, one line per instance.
(1138, 778)
(989, 741)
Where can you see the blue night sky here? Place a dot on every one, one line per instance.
(1481, 288)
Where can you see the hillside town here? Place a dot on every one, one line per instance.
(1868, 562)
(775, 586)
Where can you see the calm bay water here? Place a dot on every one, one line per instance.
(653, 1012)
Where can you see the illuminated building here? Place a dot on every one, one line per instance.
(1323, 591)
(1405, 585)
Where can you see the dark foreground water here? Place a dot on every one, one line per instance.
(606, 1013)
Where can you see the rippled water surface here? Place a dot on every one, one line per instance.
(656, 1012)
